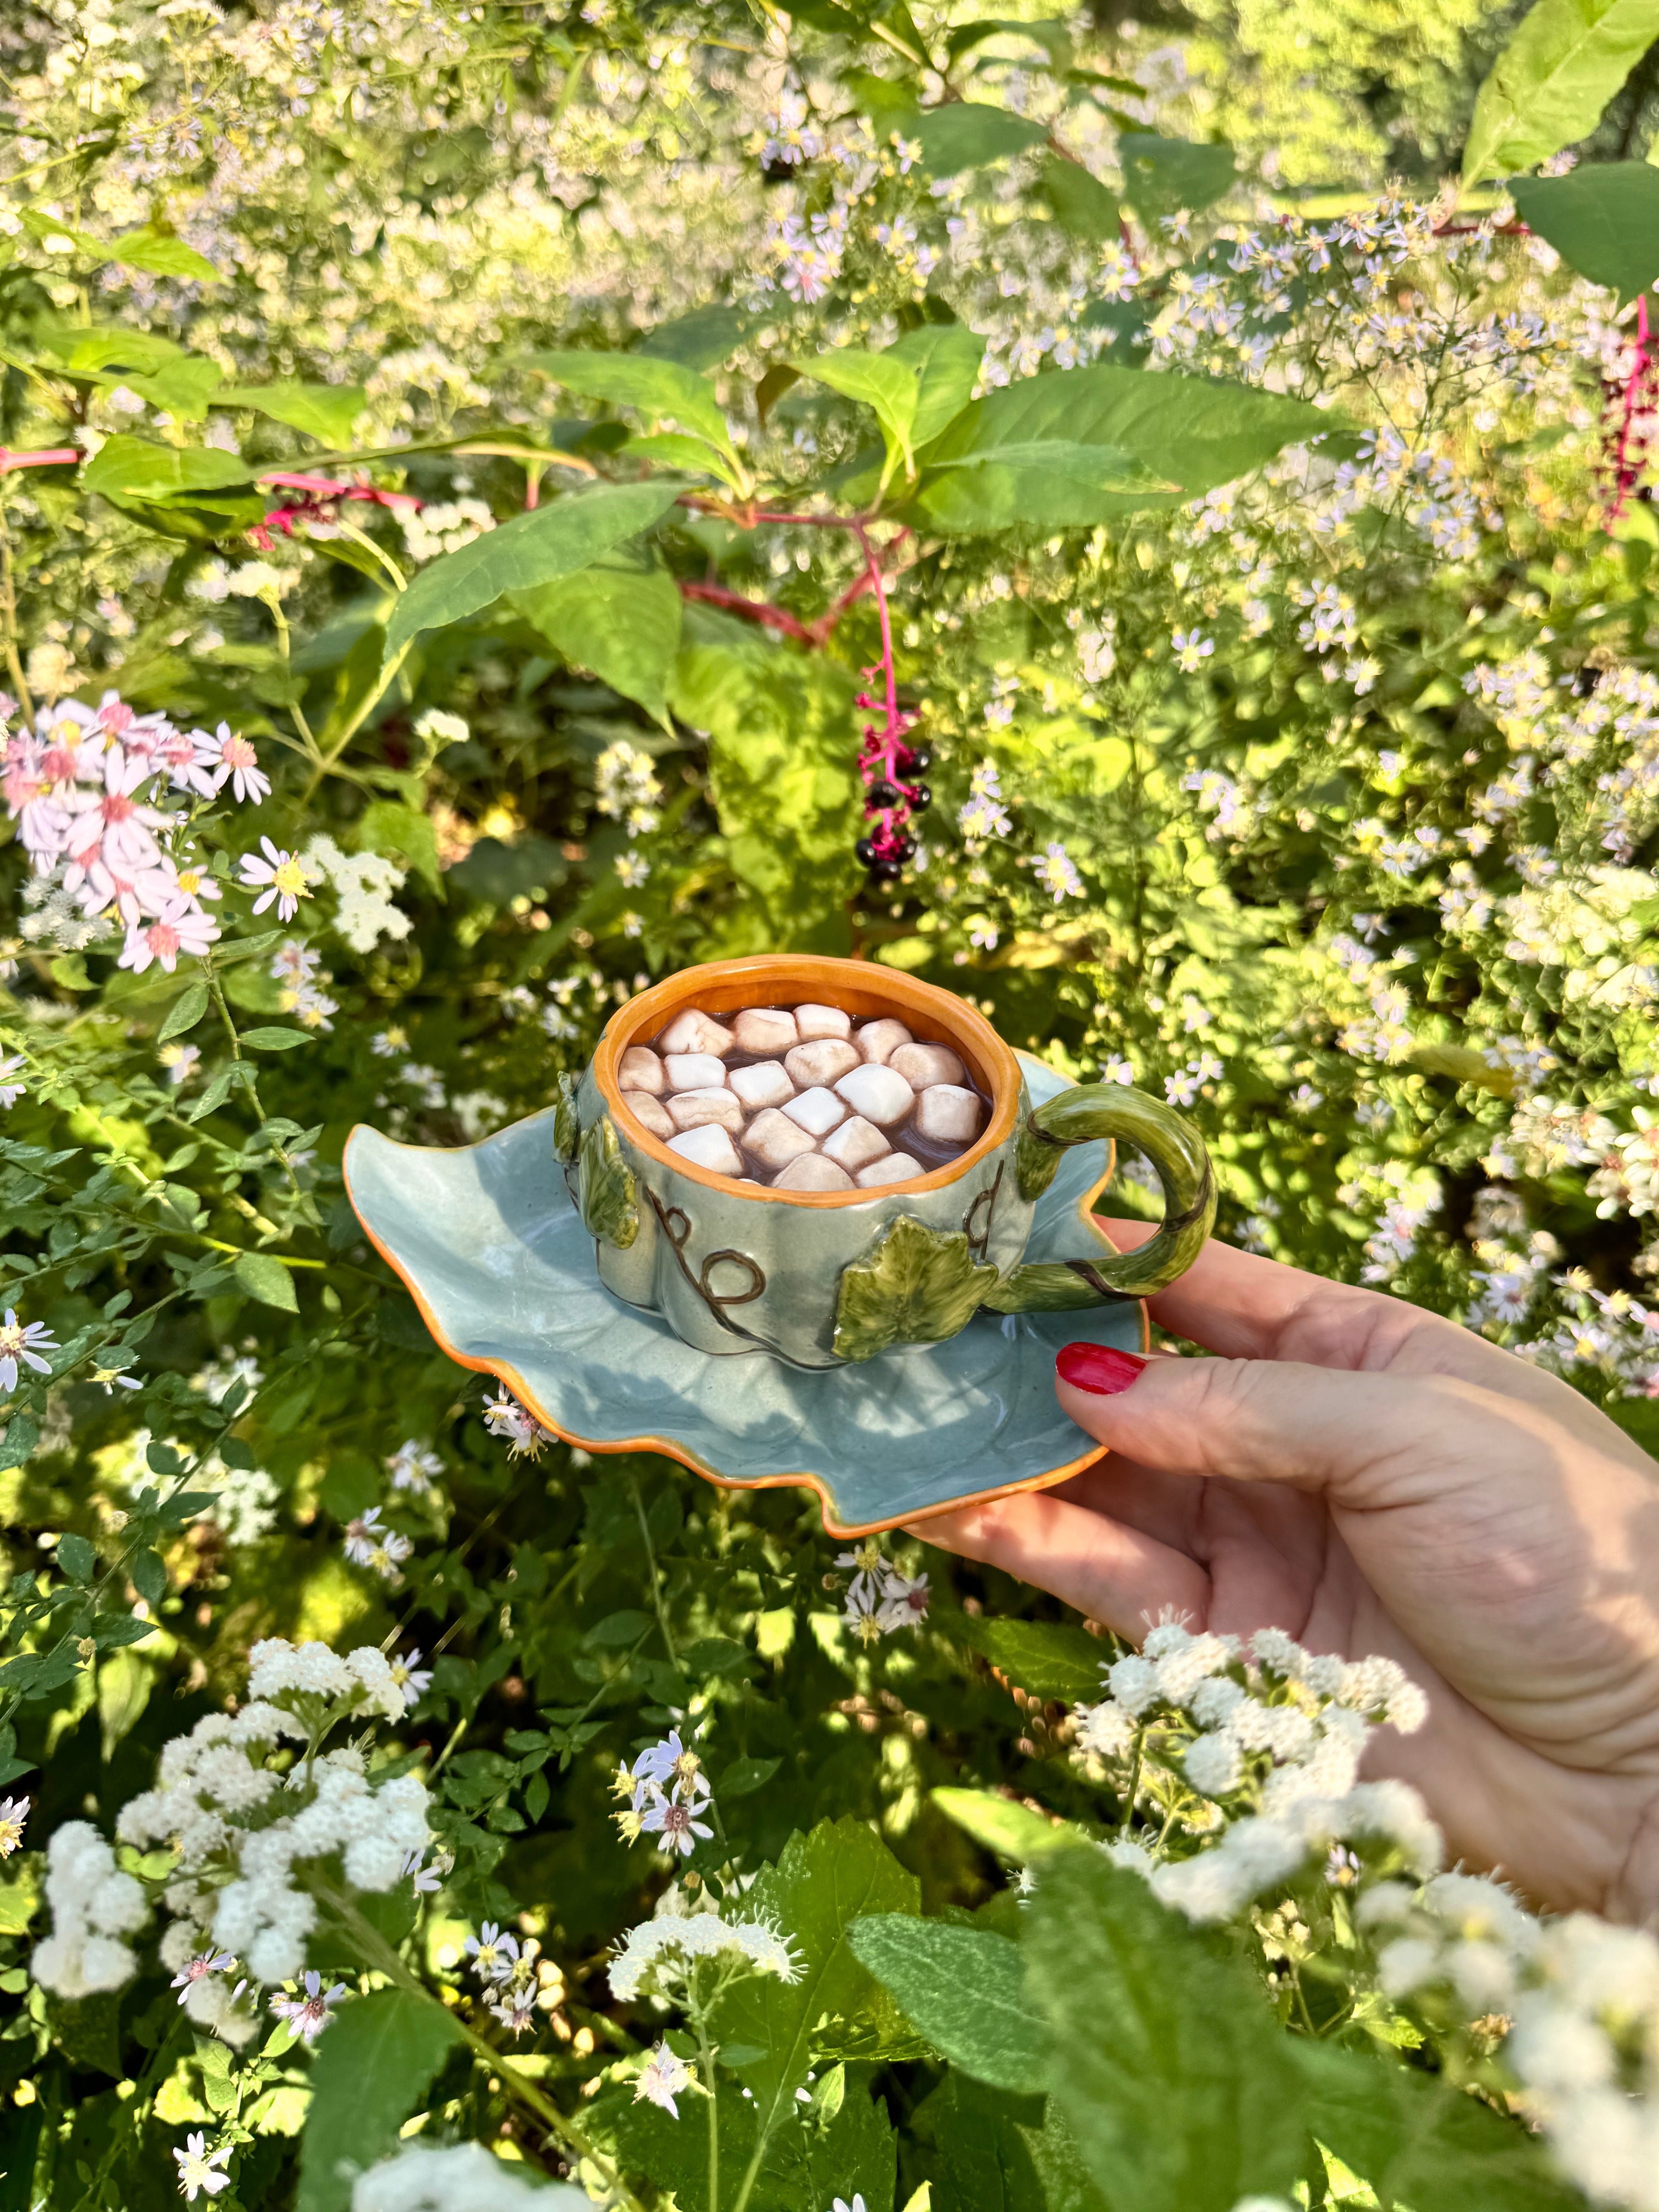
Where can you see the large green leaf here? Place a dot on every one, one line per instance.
(1048, 1657)
(380, 2057)
(703, 339)
(1603, 222)
(1182, 2091)
(885, 383)
(665, 390)
(996, 2152)
(945, 358)
(1161, 176)
(823, 1883)
(840, 2144)
(532, 549)
(967, 133)
(785, 788)
(326, 411)
(85, 350)
(162, 254)
(1419, 2141)
(1548, 86)
(621, 620)
(1093, 468)
(134, 467)
(965, 1989)
(1193, 431)
(1081, 203)
(185, 387)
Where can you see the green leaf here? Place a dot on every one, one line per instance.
(401, 833)
(882, 382)
(185, 387)
(673, 449)
(1080, 203)
(963, 1990)
(266, 1280)
(1197, 432)
(742, 1777)
(187, 1010)
(326, 411)
(1547, 88)
(621, 621)
(1181, 2090)
(1000, 2152)
(665, 390)
(532, 549)
(945, 358)
(162, 254)
(382, 2055)
(149, 1577)
(1001, 1824)
(134, 467)
(1100, 468)
(76, 1557)
(276, 1040)
(1418, 2140)
(913, 1286)
(1602, 221)
(607, 1195)
(86, 349)
(966, 134)
(823, 1883)
(703, 339)
(1162, 176)
(1046, 1657)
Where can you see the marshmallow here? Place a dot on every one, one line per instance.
(765, 1029)
(695, 1071)
(897, 1167)
(649, 1111)
(695, 1110)
(878, 1041)
(708, 1147)
(877, 1093)
(642, 1070)
(819, 1063)
(691, 1031)
(822, 1022)
(765, 1083)
(818, 1111)
(774, 1140)
(947, 1115)
(855, 1145)
(922, 1064)
(811, 1171)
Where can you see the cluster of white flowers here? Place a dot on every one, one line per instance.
(880, 1597)
(458, 2178)
(506, 1417)
(659, 1957)
(515, 1978)
(626, 786)
(243, 1826)
(93, 1905)
(363, 883)
(444, 525)
(1273, 1734)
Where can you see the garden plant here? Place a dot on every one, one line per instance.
(1144, 524)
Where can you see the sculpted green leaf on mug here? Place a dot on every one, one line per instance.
(609, 1197)
(567, 1130)
(915, 1286)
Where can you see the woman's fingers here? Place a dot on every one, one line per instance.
(1108, 1572)
(1366, 1440)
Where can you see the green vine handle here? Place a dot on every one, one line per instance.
(1175, 1148)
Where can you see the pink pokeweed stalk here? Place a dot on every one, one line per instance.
(888, 763)
(51, 456)
(1630, 435)
(321, 493)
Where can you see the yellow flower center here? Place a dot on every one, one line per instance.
(290, 877)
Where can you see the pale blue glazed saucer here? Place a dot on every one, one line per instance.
(497, 1258)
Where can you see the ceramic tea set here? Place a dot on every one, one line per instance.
(756, 1307)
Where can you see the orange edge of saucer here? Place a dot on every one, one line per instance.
(669, 1449)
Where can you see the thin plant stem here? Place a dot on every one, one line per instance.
(656, 1578)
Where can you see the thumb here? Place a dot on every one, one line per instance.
(1368, 1439)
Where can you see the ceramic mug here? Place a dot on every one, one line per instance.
(822, 1278)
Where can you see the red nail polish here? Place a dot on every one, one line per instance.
(1098, 1367)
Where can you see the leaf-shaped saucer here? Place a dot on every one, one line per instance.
(497, 1258)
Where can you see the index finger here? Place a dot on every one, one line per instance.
(1247, 1307)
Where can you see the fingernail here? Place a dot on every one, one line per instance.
(1098, 1367)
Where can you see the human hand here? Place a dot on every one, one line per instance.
(1375, 1479)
